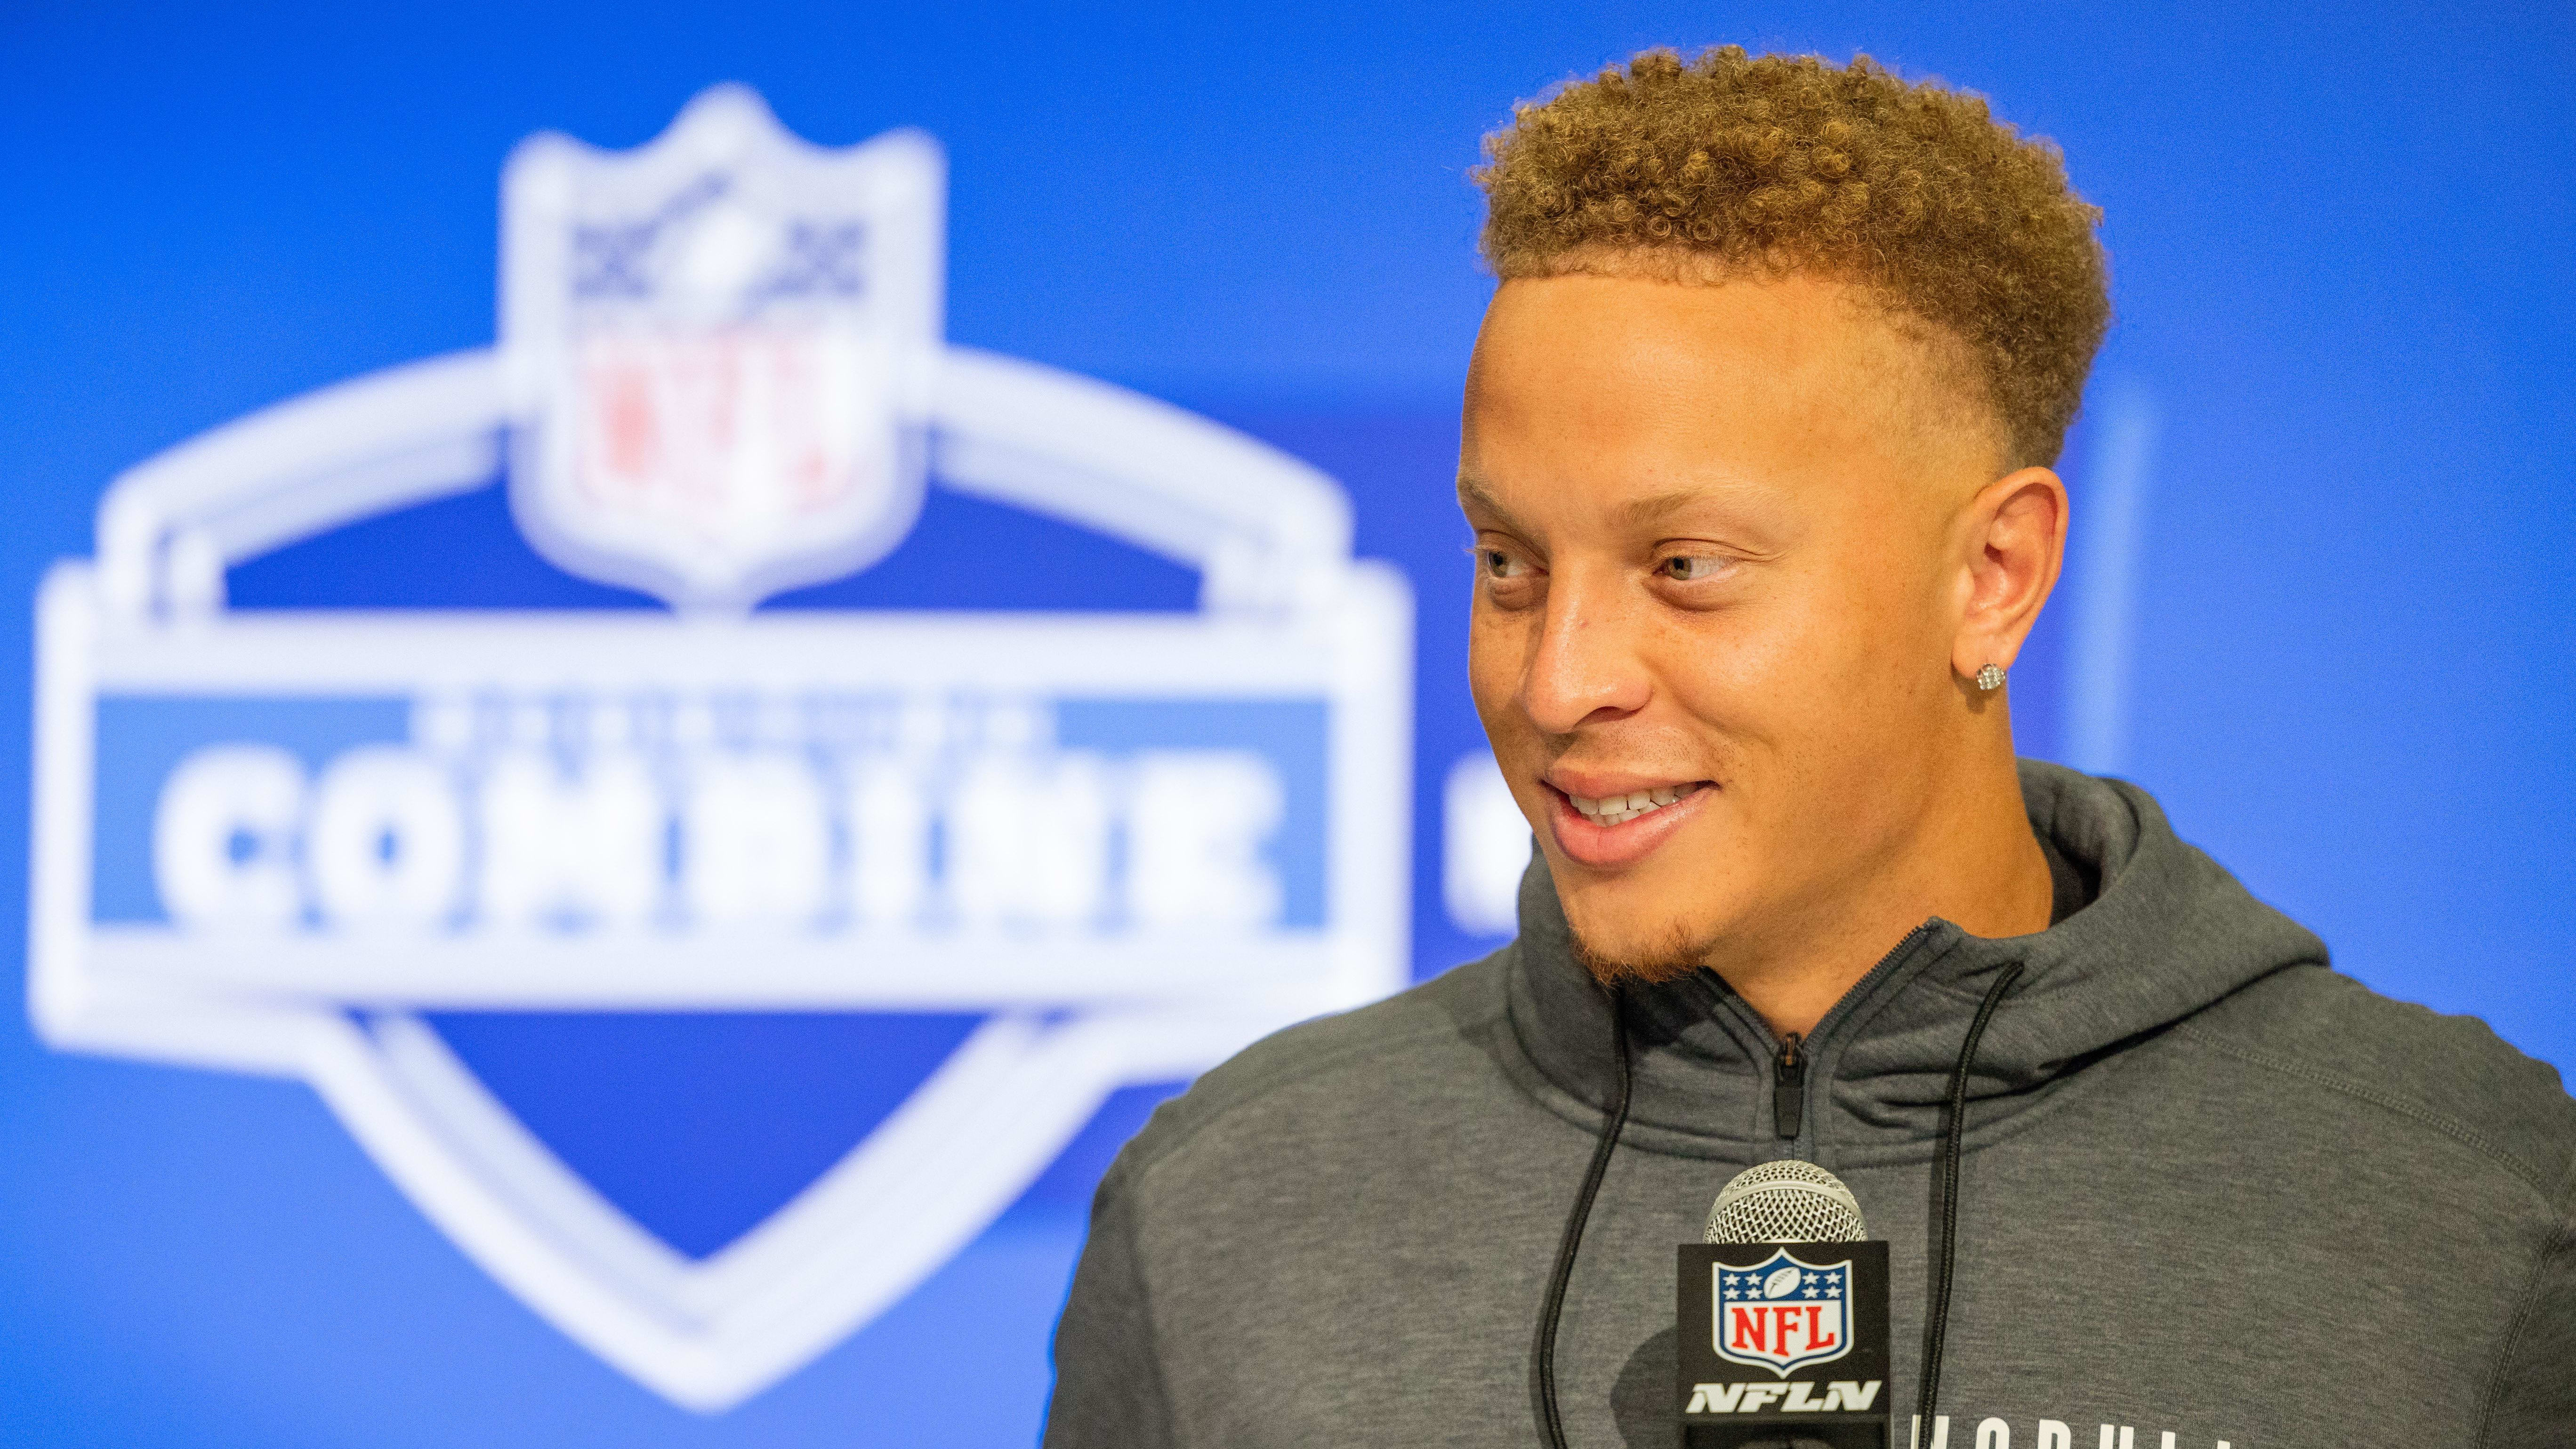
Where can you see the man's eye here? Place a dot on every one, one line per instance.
(1690, 568)
(1500, 565)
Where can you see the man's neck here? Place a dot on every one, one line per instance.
(1973, 861)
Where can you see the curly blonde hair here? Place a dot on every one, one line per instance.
(1731, 164)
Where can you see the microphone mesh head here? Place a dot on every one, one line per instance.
(1788, 1201)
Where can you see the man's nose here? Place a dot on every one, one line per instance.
(1584, 666)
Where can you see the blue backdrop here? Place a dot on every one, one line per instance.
(2320, 602)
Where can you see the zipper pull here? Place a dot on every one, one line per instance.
(1788, 1088)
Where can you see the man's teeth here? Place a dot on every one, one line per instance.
(1620, 809)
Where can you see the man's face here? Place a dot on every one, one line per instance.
(1718, 583)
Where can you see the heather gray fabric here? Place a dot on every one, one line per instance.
(2213, 1193)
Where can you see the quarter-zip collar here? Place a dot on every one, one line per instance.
(2168, 932)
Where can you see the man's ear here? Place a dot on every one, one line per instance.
(2013, 542)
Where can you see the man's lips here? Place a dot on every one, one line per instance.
(1619, 827)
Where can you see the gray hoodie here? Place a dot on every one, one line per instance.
(2212, 1193)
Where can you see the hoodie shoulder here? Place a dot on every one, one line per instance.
(1396, 1038)
(2447, 1074)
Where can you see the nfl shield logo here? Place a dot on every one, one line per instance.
(720, 348)
(491, 880)
(1783, 1314)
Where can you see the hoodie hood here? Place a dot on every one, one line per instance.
(2167, 933)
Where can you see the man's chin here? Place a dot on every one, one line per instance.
(1648, 961)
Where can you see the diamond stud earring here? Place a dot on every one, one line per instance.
(1990, 678)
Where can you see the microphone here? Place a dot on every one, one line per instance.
(1788, 1201)
(1783, 1316)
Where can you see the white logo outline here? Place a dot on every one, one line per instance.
(1271, 539)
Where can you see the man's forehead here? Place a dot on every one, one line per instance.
(1789, 318)
(1795, 372)
(1610, 497)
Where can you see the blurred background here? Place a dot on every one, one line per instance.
(2320, 600)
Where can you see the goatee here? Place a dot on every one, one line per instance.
(1677, 956)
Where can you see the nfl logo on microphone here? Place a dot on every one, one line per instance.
(1783, 1314)
(516, 889)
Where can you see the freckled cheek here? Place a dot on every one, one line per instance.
(1740, 674)
(1495, 648)
(1841, 687)
(1493, 680)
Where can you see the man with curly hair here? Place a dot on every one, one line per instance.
(1757, 450)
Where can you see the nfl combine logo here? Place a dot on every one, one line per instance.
(724, 347)
(1783, 1314)
(419, 857)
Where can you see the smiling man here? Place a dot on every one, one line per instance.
(1757, 451)
(1745, 550)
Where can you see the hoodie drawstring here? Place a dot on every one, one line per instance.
(1550, 1424)
(1936, 1318)
(1945, 1179)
